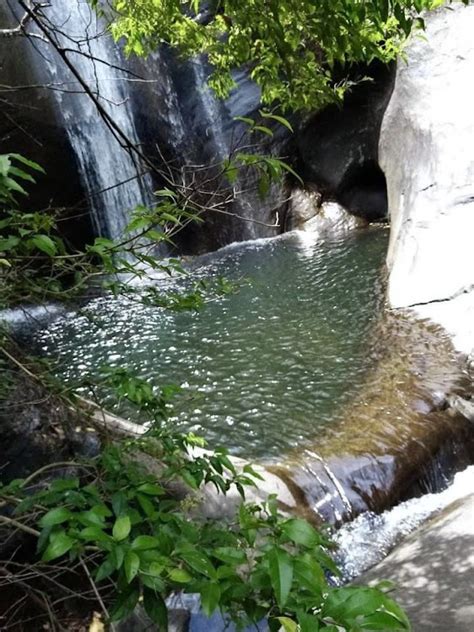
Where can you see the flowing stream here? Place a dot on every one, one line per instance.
(261, 370)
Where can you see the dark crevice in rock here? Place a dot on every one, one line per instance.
(460, 292)
(363, 191)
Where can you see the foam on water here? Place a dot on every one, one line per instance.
(370, 537)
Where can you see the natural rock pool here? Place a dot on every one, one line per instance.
(262, 370)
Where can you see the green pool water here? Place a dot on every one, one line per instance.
(262, 370)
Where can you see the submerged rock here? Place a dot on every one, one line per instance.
(427, 154)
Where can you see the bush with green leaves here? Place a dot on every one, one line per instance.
(140, 543)
(293, 49)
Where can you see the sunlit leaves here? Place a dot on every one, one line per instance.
(291, 48)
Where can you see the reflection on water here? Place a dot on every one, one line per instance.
(262, 370)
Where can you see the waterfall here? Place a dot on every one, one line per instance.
(110, 175)
(212, 109)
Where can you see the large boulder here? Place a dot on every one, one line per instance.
(427, 154)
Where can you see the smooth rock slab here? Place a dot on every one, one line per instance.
(427, 153)
(434, 572)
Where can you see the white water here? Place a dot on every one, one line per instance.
(370, 537)
(211, 108)
(109, 173)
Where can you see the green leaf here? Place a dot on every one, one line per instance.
(281, 574)
(245, 119)
(5, 164)
(309, 574)
(94, 534)
(180, 575)
(263, 130)
(199, 562)
(9, 243)
(119, 503)
(105, 569)
(155, 608)
(288, 624)
(276, 117)
(12, 185)
(55, 516)
(122, 528)
(131, 565)
(301, 532)
(382, 621)
(125, 604)
(210, 596)
(263, 186)
(19, 173)
(145, 542)
(118, 555)
(64, 484)
(59, 544)
(151, 489)
(28, 163)
(308, 622)
(146, 504)
(230, 555)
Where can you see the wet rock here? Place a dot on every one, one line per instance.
(30, 125)
(332, 220)
(427, 154)
(433, 570)
(178, 621)
(462, 406)
(217, 623)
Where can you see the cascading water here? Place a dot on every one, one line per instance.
(212, 110)
(368, 539)
(110, 174)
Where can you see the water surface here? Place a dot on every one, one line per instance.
(262, 370)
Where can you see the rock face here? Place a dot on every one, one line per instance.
(427, 154)
(434, 571)
(29, 125)
(167, 108)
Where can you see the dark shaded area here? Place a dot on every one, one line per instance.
(36, 427)
(363, 191)
(337, 148)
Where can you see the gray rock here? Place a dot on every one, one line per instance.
(434, 572)
(427, 154)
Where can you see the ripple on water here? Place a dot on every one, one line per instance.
(261, 370)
